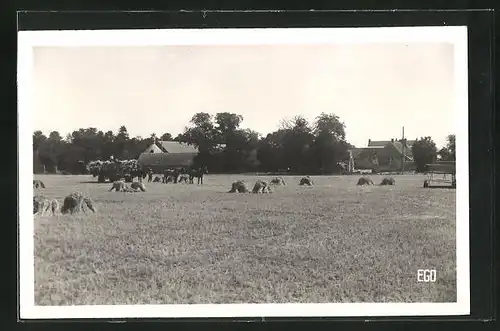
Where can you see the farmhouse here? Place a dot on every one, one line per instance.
(386, 155)
(167, 154)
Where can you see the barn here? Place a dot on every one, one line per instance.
(167, 154)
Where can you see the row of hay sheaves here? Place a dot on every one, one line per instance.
(79, 202)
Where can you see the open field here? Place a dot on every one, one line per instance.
(180, 243)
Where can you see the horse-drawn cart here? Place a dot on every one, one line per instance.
(441, 175)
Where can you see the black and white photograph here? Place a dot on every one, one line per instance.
(244, 172)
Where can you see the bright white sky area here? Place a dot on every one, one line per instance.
(375, 89)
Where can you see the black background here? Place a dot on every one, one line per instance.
(481, 135)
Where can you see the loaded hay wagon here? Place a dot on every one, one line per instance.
(114, 170)
(441, 175)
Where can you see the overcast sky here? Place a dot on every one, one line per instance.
(375, 89)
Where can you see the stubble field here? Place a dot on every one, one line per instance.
(181, 243)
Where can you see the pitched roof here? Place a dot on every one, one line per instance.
(176, 147)
(385, 142)
(364, 151)
(399, 147)
(167, 159)
(378, 143)
(153, 148)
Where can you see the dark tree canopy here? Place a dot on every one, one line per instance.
(226, 147)
(424, 152)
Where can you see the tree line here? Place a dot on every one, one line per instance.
(224, 146)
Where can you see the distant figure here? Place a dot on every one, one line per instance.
(150, 175)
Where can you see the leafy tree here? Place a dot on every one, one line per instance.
(227, 132)
(447, 153)
(120, 141)
(166, 137)
(38, 139)
(330, 145)
(424, 152)
(203, 135)
(297, 143)
(270, 153)
(227, 123)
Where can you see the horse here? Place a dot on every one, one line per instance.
(172, 173)
(198, 173)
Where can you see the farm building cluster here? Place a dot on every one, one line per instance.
(383, 156)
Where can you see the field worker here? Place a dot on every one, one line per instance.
(150, 175)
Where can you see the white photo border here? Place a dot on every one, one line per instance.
(27, 40)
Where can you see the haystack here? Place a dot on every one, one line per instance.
(261, 186)
(77, 202)
(118, 186)
(278, 181)
(239, 186)
(42, 204)
(306, 181)
(365, 181)
(157, 179)
(138, 186)
(38, 183)
(388, 181)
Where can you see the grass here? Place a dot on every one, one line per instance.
(181, 243)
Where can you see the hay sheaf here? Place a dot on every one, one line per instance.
(239, 186)
(157, 179)
(42, 204)
(77, 202)
(388, 181)
(365, 181)
(38, 183)
(278, 181)
(118, 186)
(306, 181)
(138, 186)
(261, 187)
